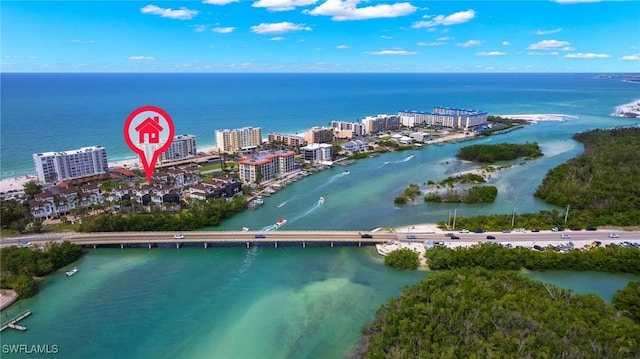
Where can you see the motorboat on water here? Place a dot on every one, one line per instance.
(346, 172)
(321, 200)
(72, 272)
(245, 229)
(281, 222)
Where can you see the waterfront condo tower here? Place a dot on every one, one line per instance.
(183, 147)
(52, 167)
(242, 139)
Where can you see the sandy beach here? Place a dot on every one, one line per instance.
(540, 117)
(7, 297)
(631, 109)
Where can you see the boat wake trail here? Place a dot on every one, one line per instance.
(408, 158)
(252, 253)
(312, 209)
(334, 178)
(269, 228)
(285, 202)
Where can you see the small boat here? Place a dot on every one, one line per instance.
(386, 162)
(321, 200)
(245, 229)
(281, 222)
(72, 272)
(346, 172)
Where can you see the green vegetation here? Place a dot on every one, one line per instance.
(462, 179)
(541, 220)
(19, 266)
(612, 259)
(402, 259)
(475, 313)
(627, 300)
(409, 194)
(499, 152)
(475, 194)
(604, 182)
(14, 216)
(503, 124)
(197, 215)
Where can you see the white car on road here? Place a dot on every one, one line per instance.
(613, 235)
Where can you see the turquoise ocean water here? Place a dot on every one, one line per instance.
(264, 302)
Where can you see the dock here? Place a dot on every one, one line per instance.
(13, 323)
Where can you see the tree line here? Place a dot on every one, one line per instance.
(196, 214)
(475, 194)
(613, 258)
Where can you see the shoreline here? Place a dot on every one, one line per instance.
(18, 182)
(540, 117)
(7, 297)
(628, 110)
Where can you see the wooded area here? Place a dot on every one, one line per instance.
(499, 152)
(475, 313)
(20, 265)
(603, 183)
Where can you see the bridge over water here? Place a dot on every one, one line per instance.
(206, 238)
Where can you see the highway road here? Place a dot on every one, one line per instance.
(542, 237)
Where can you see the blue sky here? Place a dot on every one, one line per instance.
(320, 36)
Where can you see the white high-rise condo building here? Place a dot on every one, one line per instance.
(54, 167)
(231, 141)
(182, 147)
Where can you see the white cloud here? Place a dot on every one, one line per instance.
(391, 52)
(459, 17)
(433, 43)
(548, 45)
(181, 14)
(341, 10)
(341, 47)
(200, 28)
(506, 43)
(223, 30)
(633, 57)
(386, 37)
(277, 38)
(588, 55)
(470, 43)
(553, 53)
(444, 38)
(282, 5)
(491, 53)
(142, 58)
(219, 2)
(278, 28)
(547, 32)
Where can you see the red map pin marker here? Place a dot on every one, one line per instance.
(149, 131)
